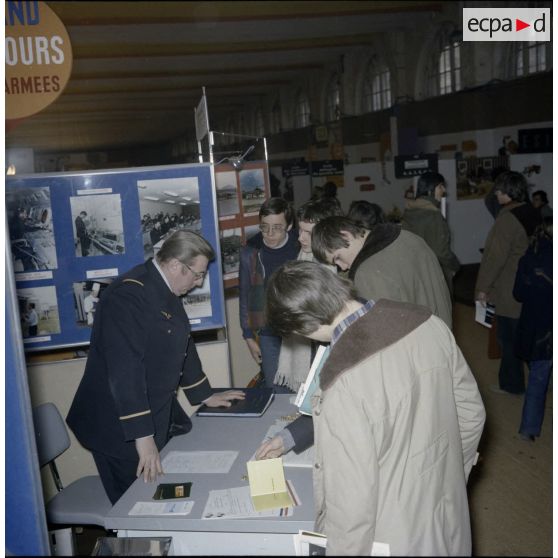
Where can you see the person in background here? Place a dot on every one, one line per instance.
(365, 213)
(423, 217)
(275, 244)
(506, 242)
(32, 320)
(533, 288)
(125, 409)
(490, 200)
(385, 262)
(90, 302)
(82, 233)
(539, 200)
(297, 352)
(398, 418)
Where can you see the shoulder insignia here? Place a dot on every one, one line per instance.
(132, 281)
(166, 315)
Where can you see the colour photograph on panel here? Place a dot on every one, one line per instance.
(38, 308)
(227, 198)
(230, 252)
(98, 229)
(29, 216)
(166, 205)
(87, 295)
(252, 187)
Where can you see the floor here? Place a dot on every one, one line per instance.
(510, 489)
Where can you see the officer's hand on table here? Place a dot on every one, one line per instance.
(271, 448)
(224, 398)
(149, 460)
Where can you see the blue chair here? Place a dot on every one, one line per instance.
(84, 501)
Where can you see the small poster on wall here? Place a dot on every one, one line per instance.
(475, 175)
(326, 171)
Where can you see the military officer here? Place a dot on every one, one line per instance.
(125, 409)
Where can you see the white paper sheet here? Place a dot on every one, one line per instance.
(199, 461)
(162, 508)
(236, 503)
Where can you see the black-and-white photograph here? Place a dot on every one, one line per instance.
(252, 187)
(38, 309)
(29, 215)
(87, 294)
(98, 229)
(197, 303)
(227, 198)
(230, 252)
(167, 205)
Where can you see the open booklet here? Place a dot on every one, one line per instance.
(304, 396)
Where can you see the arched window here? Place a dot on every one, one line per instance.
(377, 87)
(449, 67)
(259, 122)
(445, 62)
(531, 57)
(276, 118)
(333, 104)
(302, 116)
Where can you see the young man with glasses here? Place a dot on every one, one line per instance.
(275, 244)
(125, 409)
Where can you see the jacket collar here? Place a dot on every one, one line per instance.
(422, 203)
(379, 238)
(386, 323)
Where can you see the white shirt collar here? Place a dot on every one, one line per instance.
(154, 260)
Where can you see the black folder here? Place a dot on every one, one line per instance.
(254, 405)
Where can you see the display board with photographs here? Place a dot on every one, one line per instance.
(240, 194)
(72, 234)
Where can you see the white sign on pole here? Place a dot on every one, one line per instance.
(202, 119)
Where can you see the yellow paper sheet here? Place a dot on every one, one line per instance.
(268, 488)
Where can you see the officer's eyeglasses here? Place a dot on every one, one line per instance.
(197, 274)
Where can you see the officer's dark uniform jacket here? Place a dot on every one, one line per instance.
(141, 353)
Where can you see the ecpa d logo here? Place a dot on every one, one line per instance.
(506, 24)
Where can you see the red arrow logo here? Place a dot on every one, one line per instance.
(519, 25)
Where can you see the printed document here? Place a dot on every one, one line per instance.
(162, 508)
(199, 461)
(236, 503)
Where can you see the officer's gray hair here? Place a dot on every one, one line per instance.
(184, 246)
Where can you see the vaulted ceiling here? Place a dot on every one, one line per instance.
(139, 67)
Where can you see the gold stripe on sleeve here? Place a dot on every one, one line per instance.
(192, 386)
(132, 281)
(134, 415)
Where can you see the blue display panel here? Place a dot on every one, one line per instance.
(71, 234)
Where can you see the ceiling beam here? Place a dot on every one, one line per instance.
(138, 13)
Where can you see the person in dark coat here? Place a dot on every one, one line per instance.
(533, 287)
(506, 242)
(275, 244)
(125, 409)
(82, 234)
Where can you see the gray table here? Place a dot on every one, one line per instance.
(193, 535)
